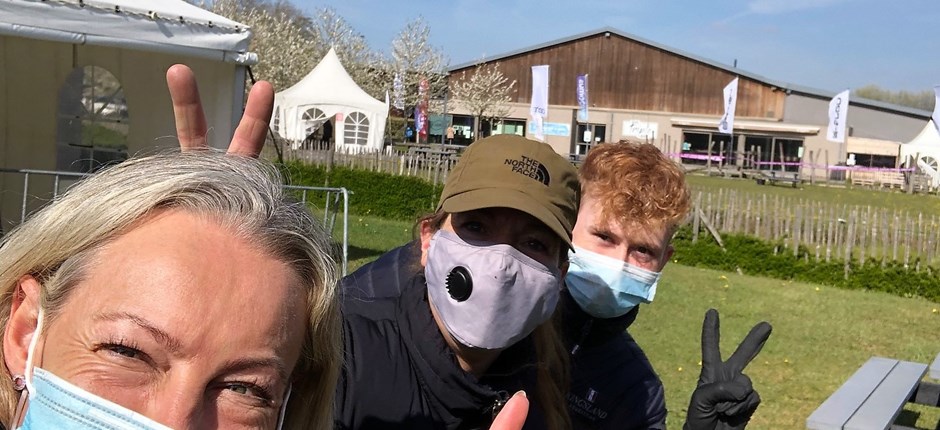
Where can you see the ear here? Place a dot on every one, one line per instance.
(426, 233)
(21, 327)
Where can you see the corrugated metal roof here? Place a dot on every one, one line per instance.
(786, 86)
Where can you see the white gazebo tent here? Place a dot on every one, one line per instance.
(45, 45)
(41, 42)
(328, 92)
(926, 148)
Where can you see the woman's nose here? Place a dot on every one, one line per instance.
(178, 405)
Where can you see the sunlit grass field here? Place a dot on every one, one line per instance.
(928, 204)
(821, 334)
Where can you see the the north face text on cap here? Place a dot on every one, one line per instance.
(530, 167)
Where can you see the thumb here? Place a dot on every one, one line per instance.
(513, 414)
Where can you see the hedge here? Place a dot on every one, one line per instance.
(756, 257)
(383, 195)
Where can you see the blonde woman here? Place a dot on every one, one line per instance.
(174, 291)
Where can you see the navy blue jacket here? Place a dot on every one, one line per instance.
(613, 385)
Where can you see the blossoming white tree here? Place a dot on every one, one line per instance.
(485, 92)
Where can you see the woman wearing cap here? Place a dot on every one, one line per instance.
(472, 322)
(405, 368)
(176, 291)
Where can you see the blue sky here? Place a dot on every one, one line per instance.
(825, 44)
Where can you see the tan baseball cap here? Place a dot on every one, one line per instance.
(514, 172)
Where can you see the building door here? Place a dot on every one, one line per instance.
(588, 135)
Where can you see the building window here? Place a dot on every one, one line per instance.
(773, 153)
(695, 148)
(356, 130)
(312, 119)
(92, 121)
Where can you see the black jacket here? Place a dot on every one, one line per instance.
(613, 385)
(399, 372)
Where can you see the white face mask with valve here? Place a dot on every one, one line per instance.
(488, 296)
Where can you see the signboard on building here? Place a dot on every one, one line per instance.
(640, 129)
(551, 128)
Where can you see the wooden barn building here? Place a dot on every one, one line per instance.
(638, 89)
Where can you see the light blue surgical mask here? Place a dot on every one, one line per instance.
(606, 287)
(54, 403)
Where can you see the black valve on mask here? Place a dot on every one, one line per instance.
(459, 283)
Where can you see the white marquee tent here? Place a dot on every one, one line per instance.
(42, 42)
(49, 48)
(926, 147)
(328, 92)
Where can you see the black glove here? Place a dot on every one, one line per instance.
(724, 398)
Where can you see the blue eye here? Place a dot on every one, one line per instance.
(249, 389)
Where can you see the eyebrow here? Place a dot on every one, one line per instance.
(242, 364)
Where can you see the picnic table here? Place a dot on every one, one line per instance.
(873, 397)
(764, 176)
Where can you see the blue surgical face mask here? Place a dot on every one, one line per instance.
(57, 404)
(606, 287)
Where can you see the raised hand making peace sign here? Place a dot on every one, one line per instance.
(725, 397)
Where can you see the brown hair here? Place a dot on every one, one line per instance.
(552, 367)
(637, 183)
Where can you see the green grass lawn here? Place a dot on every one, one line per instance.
(821, 334)
(891, 199)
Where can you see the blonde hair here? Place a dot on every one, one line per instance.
(245, 195)
(637, 183)
(552, 364)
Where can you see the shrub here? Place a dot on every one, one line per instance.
(756, 257)
(379, 194)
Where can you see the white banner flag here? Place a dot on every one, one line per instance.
(539, 91)
(398, 93)
(936, 108)
(539, 109)
(726, 125)
(539, 128)
(838, 114)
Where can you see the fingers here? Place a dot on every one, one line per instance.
(711, 354)
(750, 347)
(253, 127)
(513, 415)
(187, 107)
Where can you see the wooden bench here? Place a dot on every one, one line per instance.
(771, 176)
(873, 178)
(871, 399)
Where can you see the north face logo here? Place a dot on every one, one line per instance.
(530, 167)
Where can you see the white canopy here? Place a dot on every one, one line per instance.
(926, 147)
(49, 50)
(328, 92)
(170, 26)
